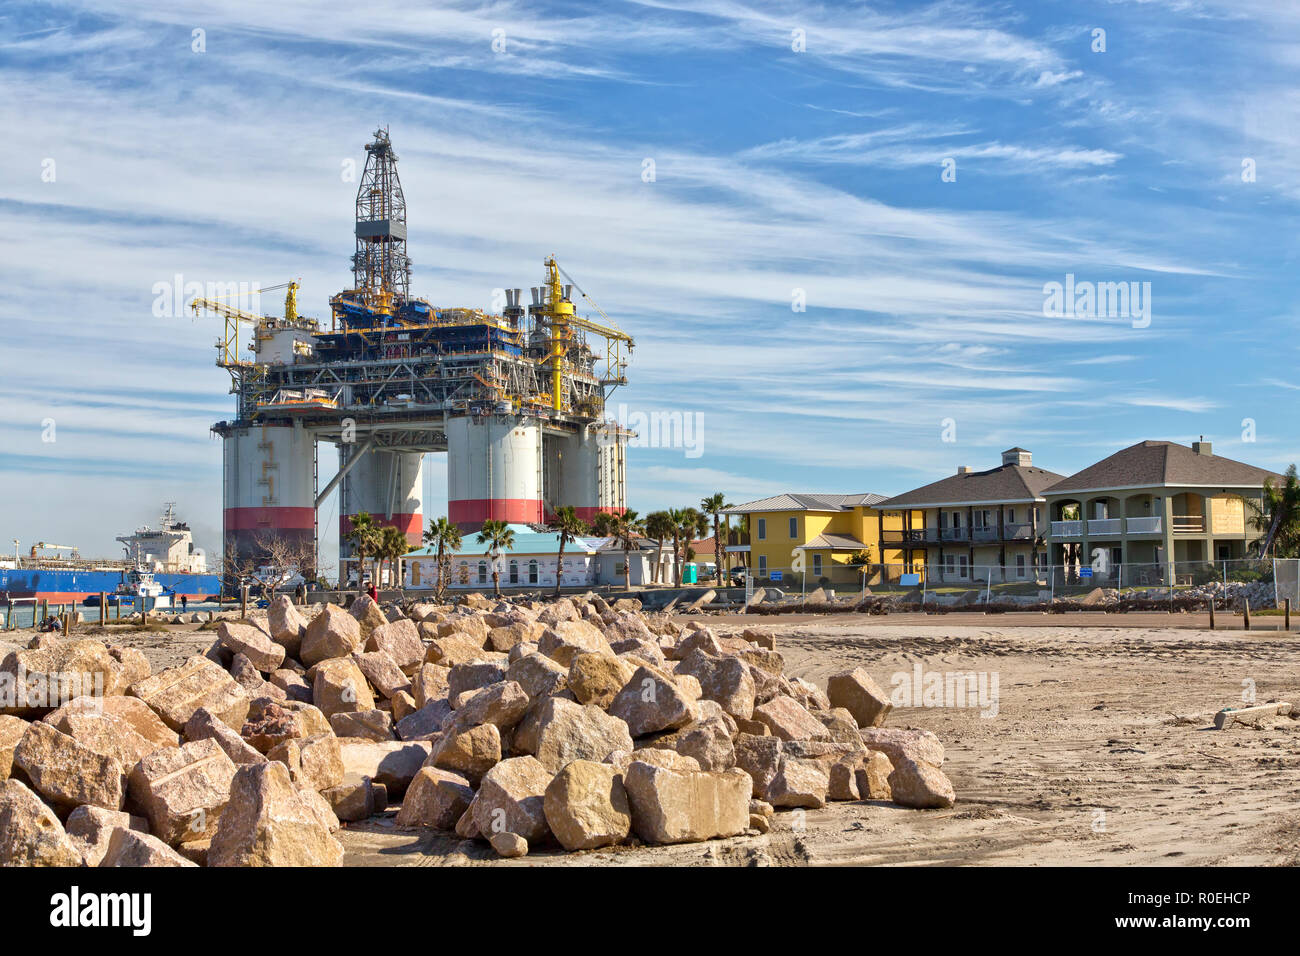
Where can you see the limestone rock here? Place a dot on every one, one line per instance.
(90, 828)
(472, 752)
(455, 648)
(67, 774)
(205, 725)
(726, 680)
(502, 704)
(789, 720)
(564, 639)
(253, 643)
(367, 614)
(510, 799)
(371, 724)
(339, 686)
(586, 806)
(683, 806)
(597, 678)
(393, 763)
(128, 847)
(651, 702)
(856, 692)
(798, 783)
(759, 757)
(425, 723)
(436, 798)
(400, 640)
(267, 823)
(897, 744)
(130, 713)
(30, 833)
(382, 673)
(560, 731)
(919, 784)
(474, 676)
(429, 683)
(287, 625)
(708, 741)
(620, 760)
(873, 777)
(273, 722)
(11, 732)
(332, 633)
(538, 675)
(176, 693)
(509, 845)
(183, 790)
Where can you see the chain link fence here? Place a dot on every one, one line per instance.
(1264, 582)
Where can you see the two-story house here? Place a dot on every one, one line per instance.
(1153, 506)
(972, 526)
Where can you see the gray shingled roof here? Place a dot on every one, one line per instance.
(832, 542)
(793, 502)
(1151, 463)
(1009, 483)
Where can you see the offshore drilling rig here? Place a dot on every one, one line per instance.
(517, 400)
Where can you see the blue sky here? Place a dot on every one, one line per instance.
(775, 170)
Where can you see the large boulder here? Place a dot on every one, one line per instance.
(436, 798)
(597, 678)
(511, 800)
(472, 752)
(332, 633)
(131, 714)
(502, 704)
(66, 773)
(390, 763)
(382, 673)
(11, 732)
(127, 847)
(43, 677)
(651, 702)
(176, 693)
(205, 725)
(898, 744)
(271, 722)
(586, 806)
(726, 680)
(455, 648)
(798, 783)
(760, 757)
(786, 718)
(538, 675)
(339, 686)
(921, 785)
(182, 790)
(856, 692)
(267, 823)
(91, 827)
(30, 833)
(367, 614)
(400, 640)
(559, 731)
(254, 643)
(686, 806)
(564, 639)
(287, 625)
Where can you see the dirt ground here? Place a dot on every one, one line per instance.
(1102, 750)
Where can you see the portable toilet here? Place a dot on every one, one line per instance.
(690, 574)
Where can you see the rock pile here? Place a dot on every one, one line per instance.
(576, 724)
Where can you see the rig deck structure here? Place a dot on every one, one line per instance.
(517, 400)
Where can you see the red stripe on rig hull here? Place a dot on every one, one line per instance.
(472, 512)
(270, 520)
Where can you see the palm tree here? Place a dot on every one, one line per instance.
(658, 526)
(392, 546)
(625, 529)
(569, 527)
(688, 524)
(714, 505)
(1277, 518)
(498, 536)
(364, 536)
(604, 524)
(742, 530)
(446, 536)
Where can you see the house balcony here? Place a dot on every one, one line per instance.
(1103, 527)
(954, 534)
(984, 535)
(1067, 529)
(1017, 532)
(912, 536)
(1144, 525)
(1189, 524)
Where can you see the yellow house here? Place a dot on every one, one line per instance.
(797, 539)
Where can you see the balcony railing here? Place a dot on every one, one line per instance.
(1103, 526)
(953, 534)
(1143, 525)
(984, 534)
(1017, 532)
(1067, 529)
(1189, 523)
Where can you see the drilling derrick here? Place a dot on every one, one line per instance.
(516, 400)
(380, 266)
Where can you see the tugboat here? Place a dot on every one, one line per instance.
(141, 590)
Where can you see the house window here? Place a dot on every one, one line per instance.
(482, 572)
(762, 528)
(532, 572)
(949, 563)
(1020, 565)
(962, 560)
(514, 572)
(817, 565)
(794, 527)
(1011, 516)
(762, 564)
(956, 520)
